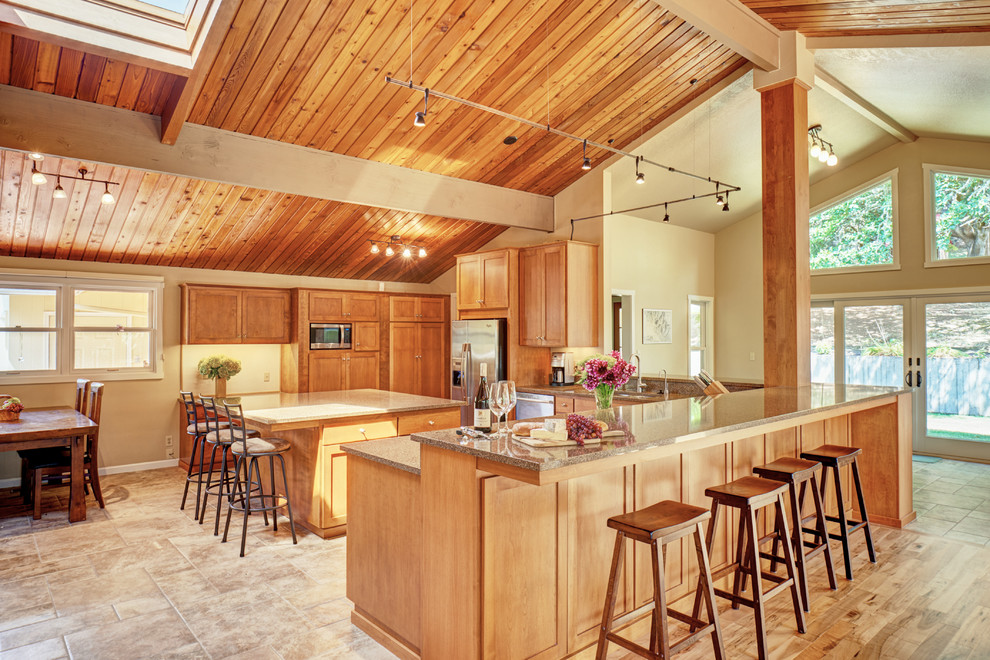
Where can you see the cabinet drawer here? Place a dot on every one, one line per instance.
(430, 420)
(371, 430)
(583, 403)
(563, 404)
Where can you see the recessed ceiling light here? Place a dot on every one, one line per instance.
(510, 140)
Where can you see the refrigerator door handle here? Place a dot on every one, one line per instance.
(468, 370)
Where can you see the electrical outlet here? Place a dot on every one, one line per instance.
(268, 376)
(170, 453)
(752, 356)
(168, 441)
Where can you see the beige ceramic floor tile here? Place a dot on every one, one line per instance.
(56, 627)
(18, 546)
(148, 636)
(79, 540)
(949, 513)
(113, 589)
(22, 595)
(50, 649)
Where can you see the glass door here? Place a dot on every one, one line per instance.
(952, 411)
(873, 338)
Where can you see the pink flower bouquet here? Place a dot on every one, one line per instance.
(602, 374)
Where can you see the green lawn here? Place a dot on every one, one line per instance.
(962, 427)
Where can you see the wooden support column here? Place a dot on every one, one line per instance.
(786, 269)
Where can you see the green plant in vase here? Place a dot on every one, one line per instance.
(219, 368)
(602, 374)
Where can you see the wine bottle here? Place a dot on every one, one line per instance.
(482, 413)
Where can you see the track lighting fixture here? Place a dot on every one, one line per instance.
(666, 216)
(586, 165)
(725, 205)
(820, 148)
(420, 119)
(639, 175)
(395, 243)
(39, 178)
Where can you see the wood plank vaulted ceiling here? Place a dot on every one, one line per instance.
(311, 73)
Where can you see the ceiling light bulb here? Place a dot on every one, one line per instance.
(832, 160)
(719, 201)
(107, 197)
(37, 178)
(422, 252)
(640, 178)
(815, 150)
(374, 248)
(406, 252)
(823, 155)
(59, 192)
(420, 119)
(35, 156)
(586, 165)
(389, 251)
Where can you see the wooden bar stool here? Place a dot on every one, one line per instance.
(797, 472)
(749, 495)
(833, 457)
(659, 525)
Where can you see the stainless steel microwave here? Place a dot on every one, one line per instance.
(324, 336)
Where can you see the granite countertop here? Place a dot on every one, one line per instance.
(649, 425)
(401, 453)
(286, 408)
(677, 387)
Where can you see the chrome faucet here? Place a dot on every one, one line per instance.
(664, 390)
(639, 377)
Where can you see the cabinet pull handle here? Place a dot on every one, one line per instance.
(431, 422)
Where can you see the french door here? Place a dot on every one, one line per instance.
(940, 345)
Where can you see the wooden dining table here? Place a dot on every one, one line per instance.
(54, 427)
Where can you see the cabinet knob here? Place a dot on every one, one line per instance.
(480, 302)
(431, 422)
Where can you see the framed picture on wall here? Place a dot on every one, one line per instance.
(657, 326)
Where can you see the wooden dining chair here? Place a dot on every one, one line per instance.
(82, 396)
(49, 464)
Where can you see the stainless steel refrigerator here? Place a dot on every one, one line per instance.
(474, 343)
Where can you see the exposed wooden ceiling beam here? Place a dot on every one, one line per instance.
(183, 95)
(34, 121)
(118, 42)
(837, 89)
(913, 40)
(731, 23)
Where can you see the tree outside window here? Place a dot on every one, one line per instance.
(962, 215)
(857, 231)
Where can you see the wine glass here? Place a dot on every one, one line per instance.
(505, 392)
(496, 404)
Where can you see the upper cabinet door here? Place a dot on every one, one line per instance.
(432, 367)
(495, 276)
(212, 315)
(364, 336)
(556, 296)
(265, 317)
(532, 297)
(361, 307)
(432, 309)
(469, 282)
(326, 306)
(403, 309)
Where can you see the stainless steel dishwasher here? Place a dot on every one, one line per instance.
(530, 405)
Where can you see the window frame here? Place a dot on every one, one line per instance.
(931, 245)
(708, 331)
(65, 285)
(894, 219)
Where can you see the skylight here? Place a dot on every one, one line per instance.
(178, 6)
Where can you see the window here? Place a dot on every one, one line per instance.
(856, 231)
(55, 328)
(958, 213)
(699, 334)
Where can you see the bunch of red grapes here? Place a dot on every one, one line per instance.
(581, 428)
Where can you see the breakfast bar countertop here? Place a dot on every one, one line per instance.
(401, 453)
(651, 425)
(286, 408)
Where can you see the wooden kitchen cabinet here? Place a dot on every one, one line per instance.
(229, 315)
(483, 280)
(416, 364)
(342, 306)
(365, 336)
(558, 295)
(406, 309)
(342, 370)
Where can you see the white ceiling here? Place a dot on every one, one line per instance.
(933, 92)
(721, 139)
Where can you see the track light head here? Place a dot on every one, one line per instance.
(640, 178)
(389, 251)
(586, 165)
(420, 119)
(725, 205)
(422, 253)
(815, 150)
(37, 178)
(666, 218)
(823, 155)
(375, 249)
(59, 192)
(832, 160)
(107, 197)
(719, 201)
(406, 252)
(36, 157)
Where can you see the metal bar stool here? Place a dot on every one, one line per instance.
(749, 495)
(833, 457)
(797, 472)
(197, 430)
(243, 496)
(220, 437)
(659, 525)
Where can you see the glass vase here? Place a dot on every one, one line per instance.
(603, 397)
(219, 388)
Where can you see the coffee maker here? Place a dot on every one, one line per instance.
(562, 368)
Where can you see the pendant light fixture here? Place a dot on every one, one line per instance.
(820, 148)
(420, 119)
(719, 200)
(725, 204)
(640, 178)
(393, 244)
(666, 216)
(586, 164)
(39, 178)
(107, 198)
(59, 190)
(389, 251)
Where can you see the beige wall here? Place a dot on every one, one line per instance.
(138, 414)
(739, 296)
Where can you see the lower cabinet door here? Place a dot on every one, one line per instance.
(362, 371)
(334, 486)
(403, 364)
(432, 371)
(326, 371)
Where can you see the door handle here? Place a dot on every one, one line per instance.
(918, 378)
(907, 379)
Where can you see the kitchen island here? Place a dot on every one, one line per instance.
(490, 548)
(319, 424)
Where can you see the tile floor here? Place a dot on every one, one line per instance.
(142, 579)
